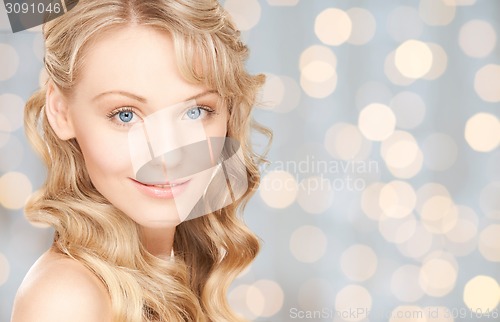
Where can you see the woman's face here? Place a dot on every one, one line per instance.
(129, 76)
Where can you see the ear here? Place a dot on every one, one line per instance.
(56, 108)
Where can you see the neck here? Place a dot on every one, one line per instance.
(159, 241)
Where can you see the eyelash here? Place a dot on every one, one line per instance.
(111, 115)
(210, 111)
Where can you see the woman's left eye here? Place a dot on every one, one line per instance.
(197, 112)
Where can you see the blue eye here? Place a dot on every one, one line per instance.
(194, 113)
(123, 116)
(126, 116)
(199, 112)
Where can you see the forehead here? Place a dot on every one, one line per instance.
(137, 59)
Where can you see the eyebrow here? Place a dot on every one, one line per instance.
(144, 100)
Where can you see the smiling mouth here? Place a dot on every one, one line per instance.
(163, 185)
(162, 190)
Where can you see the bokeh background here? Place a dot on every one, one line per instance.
(381, 201)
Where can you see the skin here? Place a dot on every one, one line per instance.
(61, 289)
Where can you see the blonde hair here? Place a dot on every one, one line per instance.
(210, 251)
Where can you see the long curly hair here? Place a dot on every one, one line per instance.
(210, 251)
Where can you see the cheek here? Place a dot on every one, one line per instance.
(218, 127)
(104, 154)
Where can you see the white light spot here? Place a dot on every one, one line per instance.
(397, 199)
(397, 230)
(246, 14)
(477, 38)
(490, 201)
(439, 214)
(436, 12)
(363, 26)
(15, 188)
(393, 73)
(273, 298)
(4, 269)
(376, 122)
(413, 59)
(482, 294)
(333, 26)
(12, 107)
(353, 296)
(439, 62)
(10, 61)
(315, 194)
(278, 189)
(482, 132)
(282, 2)
(308, 244)
(489, 243)
(487, 83)
(359, 262)
(437, 277)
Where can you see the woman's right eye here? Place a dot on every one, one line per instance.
(124, 116)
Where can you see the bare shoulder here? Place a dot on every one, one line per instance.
(58, 288)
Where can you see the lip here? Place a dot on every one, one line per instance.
(166, 190)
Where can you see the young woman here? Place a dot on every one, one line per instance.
(138, 235)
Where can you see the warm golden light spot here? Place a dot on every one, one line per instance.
(487, 83)
(370, 201)
(272, 295)
(482, 293)
(397, 199)
(402, 155)
(439, 62)
(10, 61)
(4, 269)
(437, 277)
(315, 194)
(397, 230)
(353, 296)
(308, 244)
(489, 243)
(439, 214)
(15, 189)
(318, 71)
(393, 73)
(477, 38)
(437, 12)
(245, 14)
(359, 262)
(363, 26)
(278, 189)
(482, 132)
(413, 59)
(376, 122)
(333, 26)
